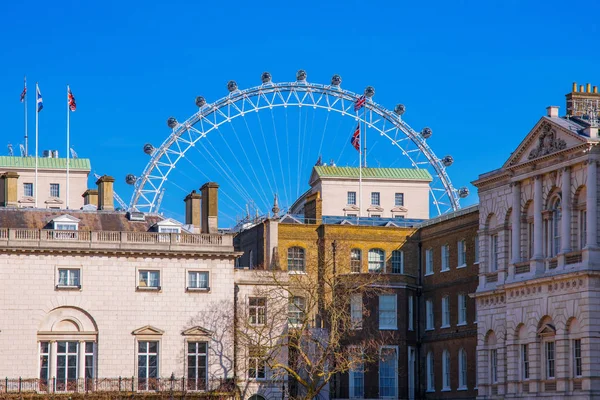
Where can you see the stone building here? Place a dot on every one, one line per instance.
(537, 296)
(113, 301)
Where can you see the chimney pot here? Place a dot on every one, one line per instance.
(589, 88)
(105, 193)
(90, 196)
(574, 87)
(552, 111)
(581, 89)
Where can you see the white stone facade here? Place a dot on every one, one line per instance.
(538, 300)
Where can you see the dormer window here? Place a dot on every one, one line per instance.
(65, 226)
(168, 226)
(65, 223)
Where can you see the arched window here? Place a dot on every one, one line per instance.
(430, 373)
(462, 369)
(554, 227)
(376, 260)
(355, 261)
(580, 216)
(445, 370)
(296, 261)
(67, 344)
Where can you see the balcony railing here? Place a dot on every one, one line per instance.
(43, 238)
(121, 384)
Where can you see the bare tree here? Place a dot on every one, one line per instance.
(306, 334)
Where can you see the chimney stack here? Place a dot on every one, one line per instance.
(192, 210)
(313, 208)
(210, 207)
(8, 189)
(105, 193)
(90, 196)
(552, 111)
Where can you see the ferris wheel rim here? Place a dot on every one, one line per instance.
(341, 96)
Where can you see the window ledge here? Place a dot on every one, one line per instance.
(148, 288)
(446, 390)
(297, 272)
(445, 326)
(430, 391)
(462, 388)
(197, 290)
(462, 324)
(476, 263)
(462, 266)
(445, 270)
(429, 329)
(428, 273)
(388, 328)
(68, 287)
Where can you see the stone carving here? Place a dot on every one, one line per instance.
(548, 143)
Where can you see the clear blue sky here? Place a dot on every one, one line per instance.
(479, 73)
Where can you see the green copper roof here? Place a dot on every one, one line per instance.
(377, 173)
(45, 163)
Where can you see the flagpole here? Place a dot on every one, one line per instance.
(68, 145)
(365, 134)
(37, 112)
(25, 106)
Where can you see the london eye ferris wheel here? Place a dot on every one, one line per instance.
(262, 141)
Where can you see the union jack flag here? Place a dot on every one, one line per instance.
(24, 92)
(355, 139)
(71, 99)
(358, 104)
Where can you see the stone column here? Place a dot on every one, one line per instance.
(516, 223)
(562, 363)
(52, 363)
(592, 206)
(538, 223)
(81, 366)
(565, 229)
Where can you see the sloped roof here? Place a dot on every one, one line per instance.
(88, 221)
(45, 162)
(376, 173)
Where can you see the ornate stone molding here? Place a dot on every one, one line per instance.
(548, 143)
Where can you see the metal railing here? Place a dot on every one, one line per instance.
(45, 237)
(120, 384)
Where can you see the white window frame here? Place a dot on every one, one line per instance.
(430, 372)
(577, 358)
(255, 362)
(296, 257)
(462, 369)
(257, 312)
(462, 253)
(52, 186)
(147, 353)
(429, 262)
(462, 309)
(147, 272)
(411, 317)
(446, 371)
(430, 318)
(197, 354)
(388, 317)
(198, 274)
(375, 198)
(397, 262)
(445, 258)
(493, 358)
(445, 312)
(399, 196)
(355, 261)
(351, 198)
(356, 310)
(494, 253)
(299, 314)
(524, 358)
(549, 359)
(69, 283)
(67, 354)
(169, 229)
(379, 262)
(25, 186)
(395, 374)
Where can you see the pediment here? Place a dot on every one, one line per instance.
(399, 209)
(351, 208)
(375, 209)
(197, 331)
(148, 330)
(547, 329)
(548, 136)
(65, 218)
